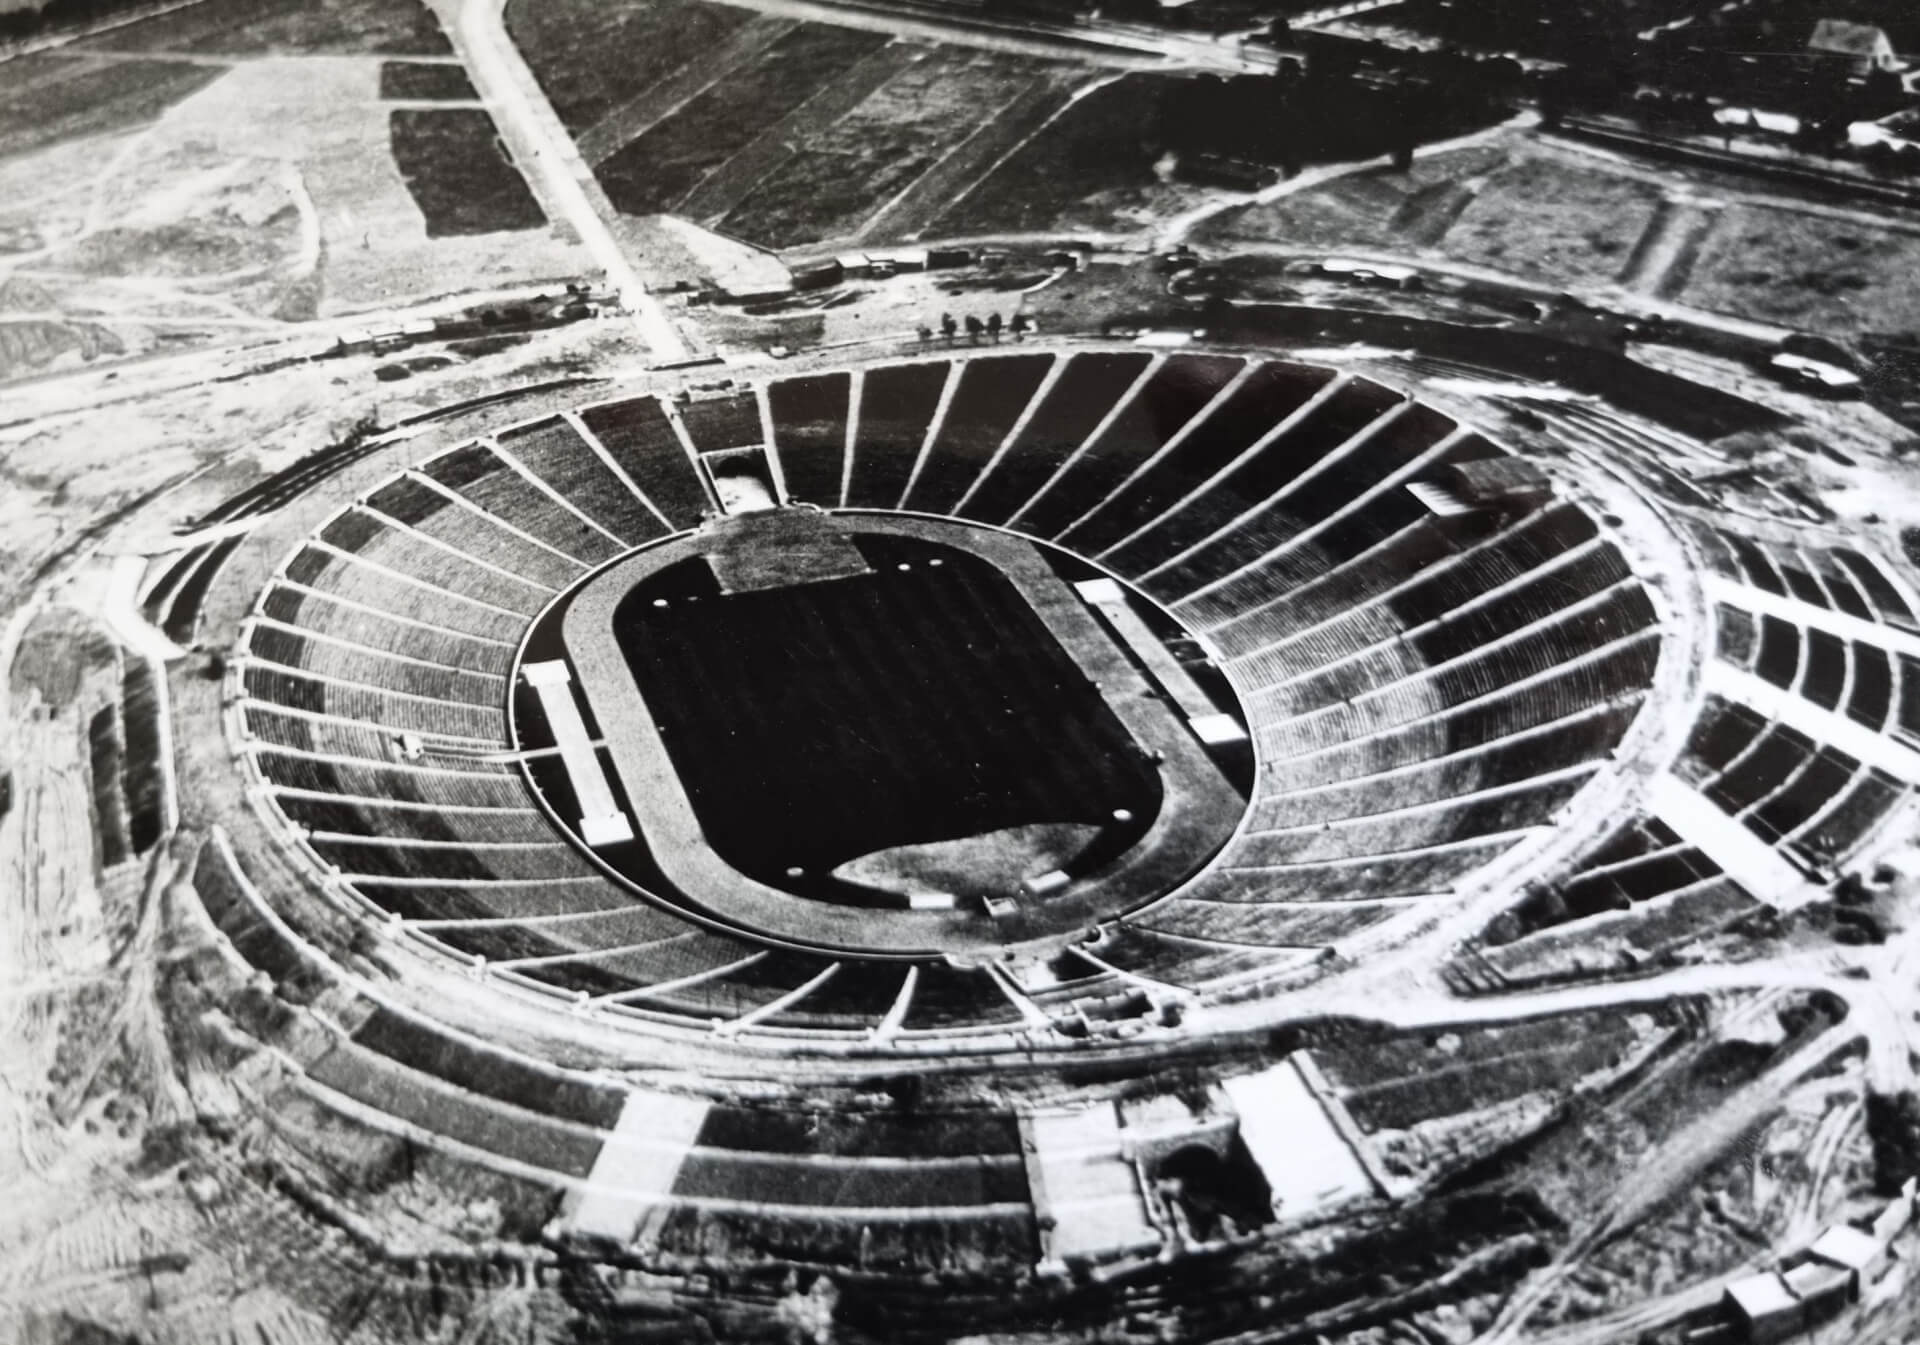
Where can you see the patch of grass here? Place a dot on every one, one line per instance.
(657, 170)
(1092, 168)
(46, 98)
(1807, 271)
(292, 27)
(1548, 220)
(1374, 208)
(841, 176)
(425, 80)
(459, 172)
(592, 55)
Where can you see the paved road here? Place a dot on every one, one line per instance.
(1096, 43)
(541, 146)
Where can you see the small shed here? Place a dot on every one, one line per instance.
(1823, 1290)
(1762, 1308)
(1487, 482)
(1847, 1248)
(1860, 48)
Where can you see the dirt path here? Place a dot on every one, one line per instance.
(1664, 255)
(1674, 1165)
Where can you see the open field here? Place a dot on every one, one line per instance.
(459, 173)
(1805, 270)
(1555, 214)
(1500, 205)
(655, 171)
(1096, 166)
(591, 58)
(50, 100)
(284, 27)
(788, 135)
(268, 194)
(431, 80)
(832, 182)
(1544, 219)
(1373, 208)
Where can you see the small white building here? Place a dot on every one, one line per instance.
(1762, 1308)
(1860, 48)
(1847, 1249)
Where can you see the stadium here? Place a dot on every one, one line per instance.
(951, 750)
(805, 672)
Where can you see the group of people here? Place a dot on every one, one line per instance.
(991, 328)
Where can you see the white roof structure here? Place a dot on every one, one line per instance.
(1306, 1160)
(1845, 1245)
(1761, 1296)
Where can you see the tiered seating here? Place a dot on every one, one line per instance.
(1215, 458)
(810, 435)
(1089, 386)
(350, 581)
(641, 441)
(716, 423)
(896, 409)
(1605, 943)
(947, 1184)
(553, 452)
(1736, 636)
(1425, 870)
(1581, 689)
(944, 998)
(1837, 577)
(408, 638)
(1907, 717)
(1870, 694)
(989, 399)
(262, 941)
(481, 477)
(1815, 800)
(374, 538)
(472, 533)
(1277, 639)
(1851, 816)
(1405, 819)
(175, 602)
(1447, 769)
(1880, 594)
(1172, 396)
(1464, 621)
(1301, 534)
(1425, 691)
(851, 1161)
(1851, 677)
(1301, 479)
(336, 661)
(1481, 672)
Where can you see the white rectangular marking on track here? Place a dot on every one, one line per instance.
(601, 822)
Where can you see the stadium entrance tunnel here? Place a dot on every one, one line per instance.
(882, 735)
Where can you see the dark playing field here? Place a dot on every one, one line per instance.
(924, 701)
